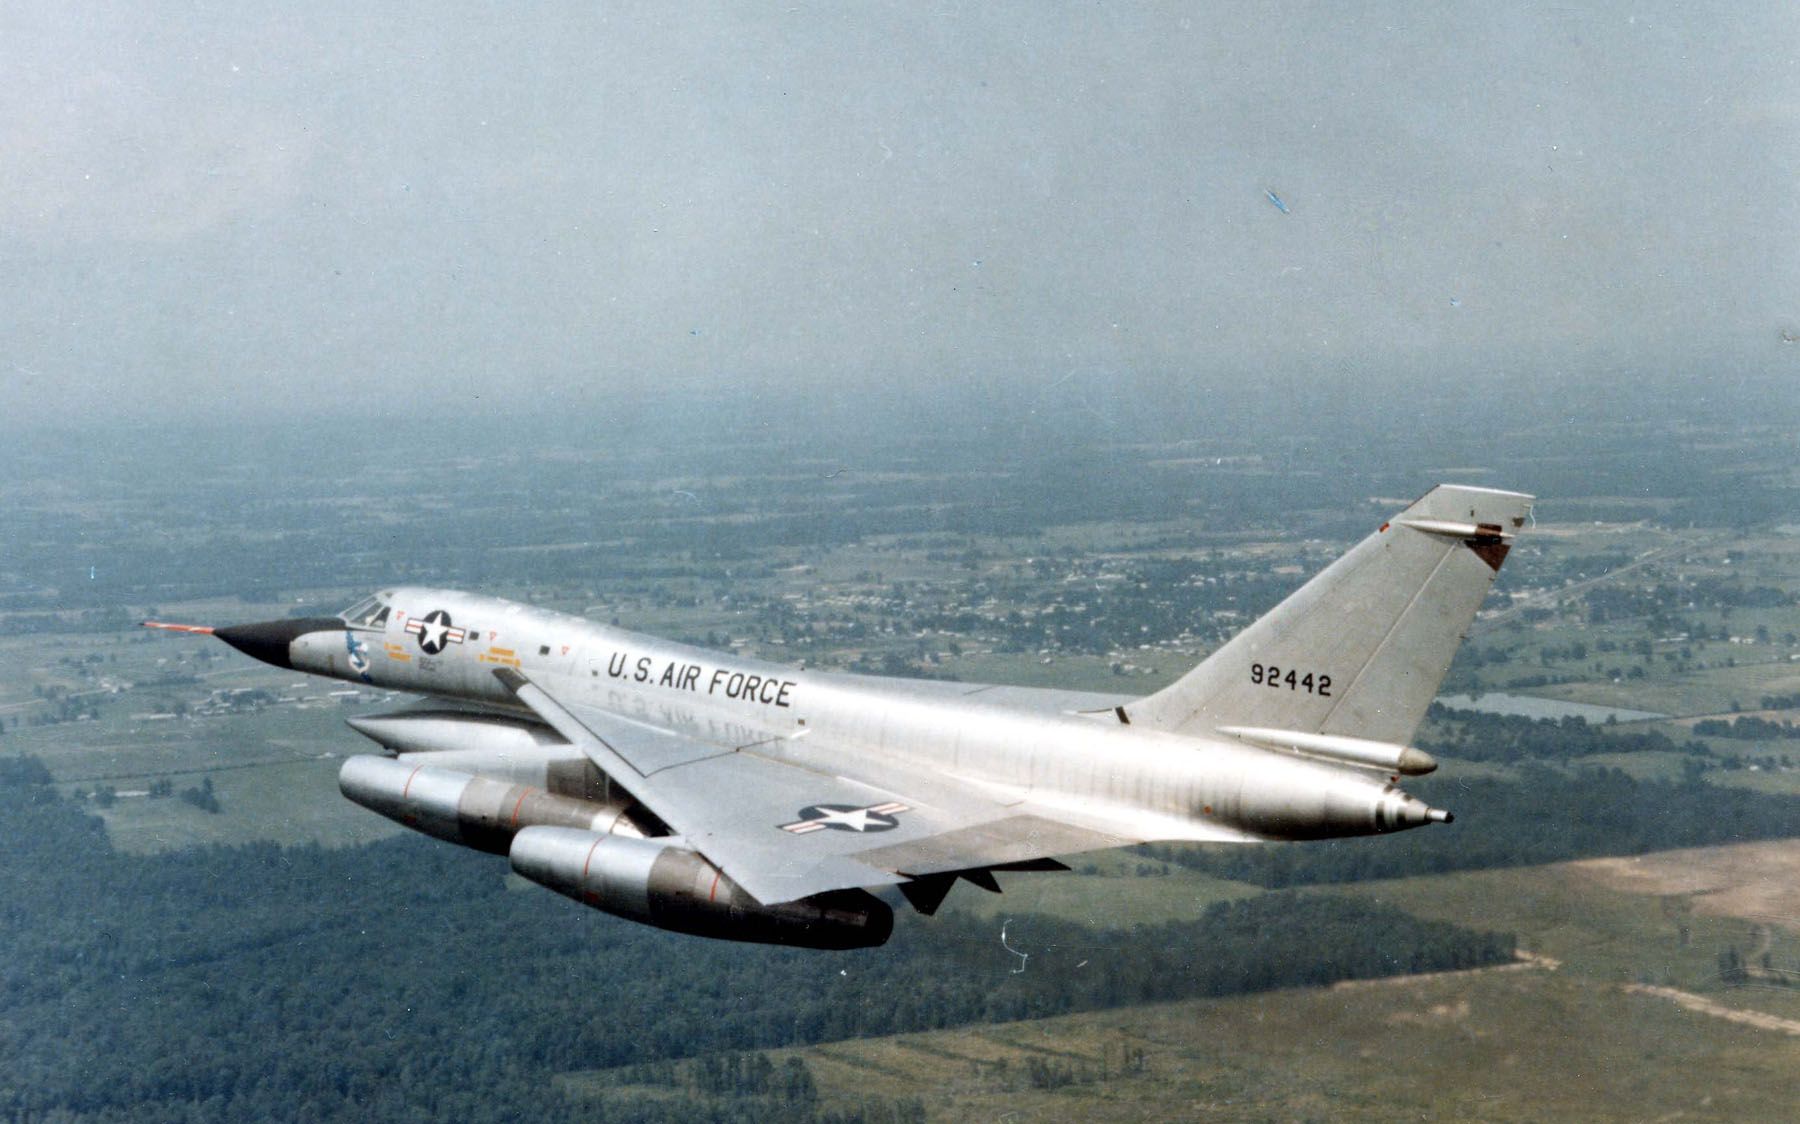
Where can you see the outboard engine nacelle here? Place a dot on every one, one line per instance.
(477, 812)
(658, 883)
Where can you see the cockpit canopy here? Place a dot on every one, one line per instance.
(370, 612)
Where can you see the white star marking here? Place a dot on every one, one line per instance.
(433, 633)
(875, 817)
(856, 819)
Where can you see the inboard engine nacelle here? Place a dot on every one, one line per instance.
(660, 884)
(477, 812)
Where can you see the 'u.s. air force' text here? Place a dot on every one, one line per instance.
(680, 676)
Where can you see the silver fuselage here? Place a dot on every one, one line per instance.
(1053, 749)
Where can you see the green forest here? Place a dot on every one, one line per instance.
(407, 980)
(1477, 736)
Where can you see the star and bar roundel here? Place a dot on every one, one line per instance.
(846, 817)
(434, 630)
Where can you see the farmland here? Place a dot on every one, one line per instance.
(1112, 565)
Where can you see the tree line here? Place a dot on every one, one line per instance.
(403, 980)
(1474, 735)
(1746, 727)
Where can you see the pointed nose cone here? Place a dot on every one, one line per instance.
(270, 641)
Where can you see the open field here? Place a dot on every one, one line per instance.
(911, 555)
(1757, 881)
(1600, 929)
(1513, 1045)
(284, 802)
(1501, 1045)
(1710, 692)
(1616, 1013)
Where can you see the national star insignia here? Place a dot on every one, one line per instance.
(843, 817)
(434, 630)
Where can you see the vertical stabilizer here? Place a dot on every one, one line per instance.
(1360, 650)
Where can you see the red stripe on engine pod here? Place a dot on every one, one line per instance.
(520, 804)
(406, 814)
(588, 895)
(713, 894)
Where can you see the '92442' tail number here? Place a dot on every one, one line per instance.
(1269, 675)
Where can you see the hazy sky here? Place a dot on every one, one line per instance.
(250, 206)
